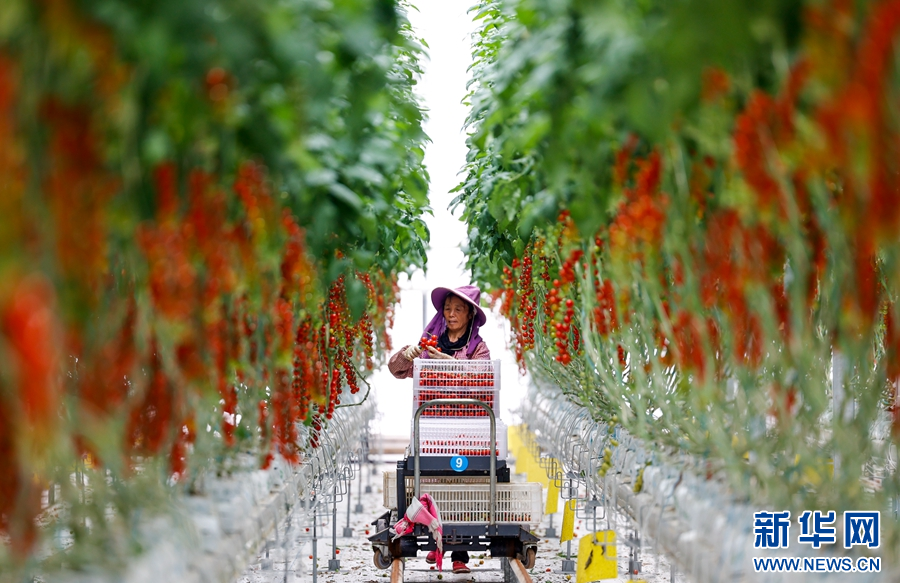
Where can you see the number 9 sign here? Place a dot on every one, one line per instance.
(459, 463)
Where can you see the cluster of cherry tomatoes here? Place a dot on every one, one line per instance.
(315, 430)
(429, 341)
(520, 300)
(520, 290)
(567, 270)
(605, 317)
(561, 332)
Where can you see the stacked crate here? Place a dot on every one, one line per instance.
(458, 429)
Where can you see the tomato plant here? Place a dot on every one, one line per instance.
(684, 210)
(206, 206)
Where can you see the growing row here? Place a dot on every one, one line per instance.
(694, 206)
(205, 207)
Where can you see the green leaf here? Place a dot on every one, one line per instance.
(345, 195)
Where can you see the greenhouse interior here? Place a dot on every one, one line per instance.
(539, 291)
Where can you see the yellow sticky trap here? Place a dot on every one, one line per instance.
(523, 461)
(597, 557)
(811, 476)
(523, 434)
(535, 472)
(531, 469)
(519, 450)
(512, 437)
(568, 525)
(552, 498)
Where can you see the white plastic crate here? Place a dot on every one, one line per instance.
(389, 484)
(460, 436)
(467, 500)
(456, 379)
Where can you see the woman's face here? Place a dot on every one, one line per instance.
(457, 315)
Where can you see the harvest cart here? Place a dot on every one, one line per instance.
(456, 457)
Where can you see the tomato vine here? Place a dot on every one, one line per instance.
(684, 209)
(206, 207)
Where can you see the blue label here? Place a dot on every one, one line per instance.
(459, 463)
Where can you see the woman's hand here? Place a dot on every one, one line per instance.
(412, 352)
(435, 353)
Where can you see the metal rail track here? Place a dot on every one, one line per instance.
(513, 571)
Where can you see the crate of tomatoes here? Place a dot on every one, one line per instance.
(461, 436)
(456, 379)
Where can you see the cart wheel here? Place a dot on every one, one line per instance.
(380, 560)
(530, 556)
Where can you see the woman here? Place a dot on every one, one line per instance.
(456, 326)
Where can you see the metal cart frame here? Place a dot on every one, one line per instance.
(511, 542)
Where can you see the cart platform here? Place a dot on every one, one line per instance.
(481, 510)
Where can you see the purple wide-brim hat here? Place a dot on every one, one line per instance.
(467, 293)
